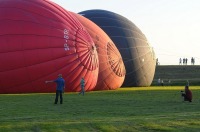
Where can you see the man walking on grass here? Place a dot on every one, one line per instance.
(60, 88)
(82, 83)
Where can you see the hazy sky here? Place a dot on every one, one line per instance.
(171, 26)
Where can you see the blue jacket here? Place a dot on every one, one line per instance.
(60, 83)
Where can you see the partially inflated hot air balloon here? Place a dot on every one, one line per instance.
(39, 40)
(137, 54)
(111, 66)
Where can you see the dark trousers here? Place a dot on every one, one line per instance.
(58, 93)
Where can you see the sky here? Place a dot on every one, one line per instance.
(172, 27)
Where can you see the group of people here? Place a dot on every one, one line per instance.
(161, 82)
(184, 61)
(60, 88)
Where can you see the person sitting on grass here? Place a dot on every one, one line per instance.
(187, 94)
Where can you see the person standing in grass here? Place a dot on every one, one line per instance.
(60, 88)
(162, 82)
(188, 83)
(82, 83)
(187, 94)
(158, 81)
(169, 82)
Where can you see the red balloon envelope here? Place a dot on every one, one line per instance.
(39, 40)
(111, 66)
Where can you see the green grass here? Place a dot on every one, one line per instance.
(127, 109)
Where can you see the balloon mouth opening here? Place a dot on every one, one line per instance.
(92, 49)
(115, 61)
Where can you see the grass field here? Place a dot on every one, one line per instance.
(145, 109)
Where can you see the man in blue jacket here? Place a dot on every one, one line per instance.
(59, 89)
